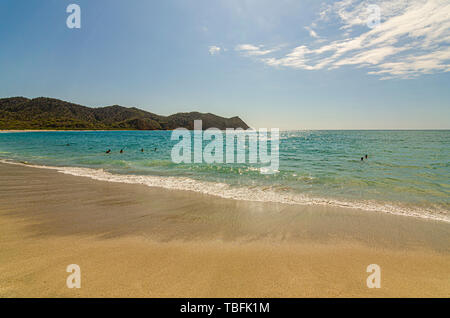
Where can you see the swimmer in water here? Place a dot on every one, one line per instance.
(121, 150)
(108, 151)
(362, 158)
(142, 150)
(367, 156)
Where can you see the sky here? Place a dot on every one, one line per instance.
(288, 64)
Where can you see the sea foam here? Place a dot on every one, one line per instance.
(256, 194)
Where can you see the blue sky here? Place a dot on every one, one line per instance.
(291, 64)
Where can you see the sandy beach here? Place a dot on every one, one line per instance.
(52, 130)
(137, 241)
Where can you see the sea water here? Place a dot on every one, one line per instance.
(407, 172)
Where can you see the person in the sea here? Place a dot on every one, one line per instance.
(366, 156)
(142, 150)
(156, 149)
(108, 151)
(362, 158)
(121, 150)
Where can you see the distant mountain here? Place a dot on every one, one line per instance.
(50, 113)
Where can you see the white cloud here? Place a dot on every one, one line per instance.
(213, 50)
(312, 33)
(411, 66)
(252, 50)
(413, 38)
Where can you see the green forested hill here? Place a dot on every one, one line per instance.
(50, 113)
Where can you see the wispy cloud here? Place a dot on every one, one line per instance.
(312, 33)
(213, 50)
(253, 50)
(412, 39)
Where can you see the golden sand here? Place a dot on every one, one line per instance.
(136, 241)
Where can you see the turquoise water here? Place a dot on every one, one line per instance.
(407, 172)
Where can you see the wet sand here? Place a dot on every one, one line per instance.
(47, 130)
(136, 241)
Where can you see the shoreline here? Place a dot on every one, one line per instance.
(70, 130)
(222, 190)
(287, 129)
(134, 241)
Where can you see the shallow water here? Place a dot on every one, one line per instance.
(407, 172)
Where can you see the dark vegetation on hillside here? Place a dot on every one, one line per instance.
(50, 113)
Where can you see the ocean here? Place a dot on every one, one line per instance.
(406, 173)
